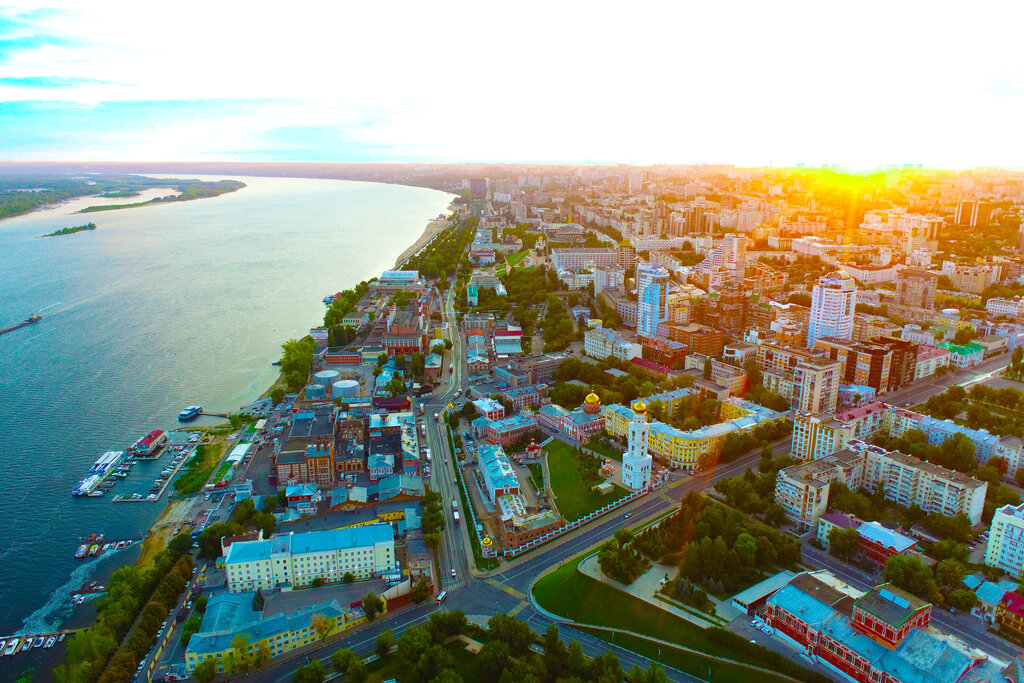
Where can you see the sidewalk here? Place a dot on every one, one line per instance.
(644, 589)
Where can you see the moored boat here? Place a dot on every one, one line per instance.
(12, 646)
(93, 549)
(39, 641)
(50, 642)
(82, 550)
(190, 413)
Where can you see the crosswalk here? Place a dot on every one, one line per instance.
(507, 589)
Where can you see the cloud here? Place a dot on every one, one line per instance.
(49, 81)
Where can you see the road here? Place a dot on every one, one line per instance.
(920, 390)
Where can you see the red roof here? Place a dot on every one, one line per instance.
(860, 411)
(151, 438)
(1013, 603)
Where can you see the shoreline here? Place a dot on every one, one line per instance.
(433, 228)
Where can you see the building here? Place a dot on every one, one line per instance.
(816, 385)
(878, 636)
(507, 431)
(489, 408)
(699, 338)
(972, 214)
(916, 287)
(498, 474)
(1006, 540)
(600, 343)
(930, 359)
(1010, 613)
(802, 490)
(229, 615)
(652, 298)
(636, 462)
(965, 356)
(832, 307)
(729, 376)
(295, 560)
(885, 364)
(580, 258)
(580, 424)
(878, 544)
(782, 357)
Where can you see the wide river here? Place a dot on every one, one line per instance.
(158, 308)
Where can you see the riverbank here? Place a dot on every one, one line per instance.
(433, 227)
(70, 231)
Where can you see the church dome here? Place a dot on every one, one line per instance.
(639, 407)
(592, 398)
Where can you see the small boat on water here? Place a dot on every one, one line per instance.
(28, 644)
(61, 638)
(2, 644)
(82, 551)
(34, 318)
(12, 647)
(94, 549)
(50, 642)
(39, 641)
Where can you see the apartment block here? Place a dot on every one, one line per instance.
(1006, 540)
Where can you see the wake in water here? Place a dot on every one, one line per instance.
(59, 607)
(49, 307)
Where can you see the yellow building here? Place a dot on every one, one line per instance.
(229, 616)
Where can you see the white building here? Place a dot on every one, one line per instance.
(1006, 307)
(636, 461)
(297, 559)
(832, 307)
(1006, 540)
(600, 343)
(652, 299)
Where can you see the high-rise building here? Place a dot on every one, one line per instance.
(832, 307)
(816, 385)
(734, 256)
(478, 187)
(636, 461)
(915, 287)
(652, 299)
(1006, 540)
(972, 214)
(625, 255)
(636, 181)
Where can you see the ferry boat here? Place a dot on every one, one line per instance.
(106, 465)
(190, 413)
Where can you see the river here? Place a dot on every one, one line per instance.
(158, 308)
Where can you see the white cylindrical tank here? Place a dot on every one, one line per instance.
(315, 392)
(346, 388)
(326, 378)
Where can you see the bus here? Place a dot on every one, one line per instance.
(440, 597)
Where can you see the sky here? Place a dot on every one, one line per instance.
(861, 84)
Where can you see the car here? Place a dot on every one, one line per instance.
(453, 573)
(188, 605)
(628, 514)
(753, 622)
(195, 569)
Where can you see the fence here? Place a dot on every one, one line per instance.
(555, 533)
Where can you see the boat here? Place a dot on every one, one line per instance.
(190, 413)
(2, 644)
(39, 641)
(28, 644)
(12, 646)
(82, 550)
(61, 637)
(109, 546)
(97, 493)
(106, 465)
(93, 549)
(32, 319)
(50, 642)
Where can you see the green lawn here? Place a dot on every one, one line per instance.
(536, 476)
(573, 496)
(517, 258)
(605, 451)
(569, 593)
(199, 468)
(688, 662)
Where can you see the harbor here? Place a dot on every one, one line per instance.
(96, 544)
(12, 645)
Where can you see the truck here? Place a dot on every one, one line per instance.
(456, 516)
(428, 455)
(455, 506)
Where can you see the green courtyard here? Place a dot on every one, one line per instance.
(569, 593)
(571, 489)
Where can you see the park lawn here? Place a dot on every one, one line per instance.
(569, 593)
(702, 667)
(199, 468)
(605, 451)
(465, 663)
(537, 477)
(573, 496)
(517, 258)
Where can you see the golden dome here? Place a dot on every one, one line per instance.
(639, 407)
(593, 398)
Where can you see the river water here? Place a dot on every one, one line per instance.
(158, 308)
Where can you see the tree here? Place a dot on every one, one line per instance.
(707, 368)
(182, 543)
(356, 672)
(420, 591)
(1018, 355)
(348, 577)
(322, 626)
(384, 642)
(512, 631)
(492, 659)
(842, 542)
(342, 659)
(962, 599)
(372, 605)
(746, 547)
(205, 670)
(310, 673)
(240, 658)
(556, 657)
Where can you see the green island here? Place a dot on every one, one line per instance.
(70, 231)
(188, 190)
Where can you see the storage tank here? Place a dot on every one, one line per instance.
(315, 392)
(345, 388)
(326, 378)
